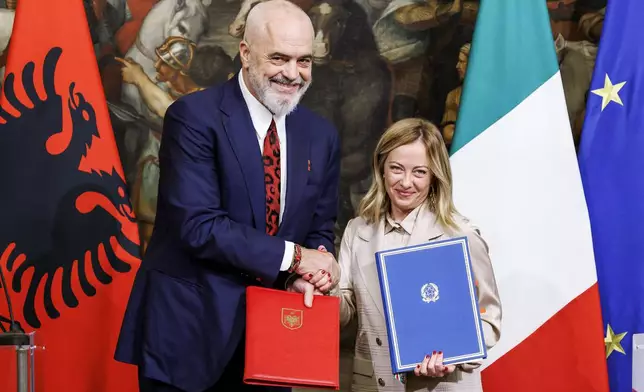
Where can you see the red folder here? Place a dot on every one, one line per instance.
(290, 345)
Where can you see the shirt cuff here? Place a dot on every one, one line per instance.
(289, 249)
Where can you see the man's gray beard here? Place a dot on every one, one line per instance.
(272, 100)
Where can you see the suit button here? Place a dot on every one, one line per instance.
(381, 382)
(378, 342)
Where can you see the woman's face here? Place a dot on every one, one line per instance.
(407, 178)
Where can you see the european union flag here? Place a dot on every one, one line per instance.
(611, 159)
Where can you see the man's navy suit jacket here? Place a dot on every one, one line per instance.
(186, 312)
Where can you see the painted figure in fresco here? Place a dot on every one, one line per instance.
(168, 18)
(172, 65)
(183, 69)
(576, 64)
(173, 61)
(453, 101)
(591, 25)
(165, 18)
(405, 33)
(354, 95)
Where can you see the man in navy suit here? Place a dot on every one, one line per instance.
(247, 194)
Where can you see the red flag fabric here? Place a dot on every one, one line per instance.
(69, 244)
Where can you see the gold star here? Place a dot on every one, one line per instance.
(612, 341)
(609, 92)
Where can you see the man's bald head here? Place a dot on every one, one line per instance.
(272, 17)
(276, 54)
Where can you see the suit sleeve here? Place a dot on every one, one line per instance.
(189, 194)
(325, 214)
(488, 294)
(344, 290)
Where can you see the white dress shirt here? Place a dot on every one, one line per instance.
(261, 118)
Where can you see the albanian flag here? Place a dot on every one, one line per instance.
(69, 244)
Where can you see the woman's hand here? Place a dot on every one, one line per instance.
(322, 280)
(432, 366)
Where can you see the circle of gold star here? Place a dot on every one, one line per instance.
(613, 342)
(610, 92)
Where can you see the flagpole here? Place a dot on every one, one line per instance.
(22, 343)
(22, 368)
(16, 337)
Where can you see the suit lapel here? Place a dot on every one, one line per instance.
(242, 136)
(297, 152)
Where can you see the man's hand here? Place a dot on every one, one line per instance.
(132, 72)
(320, 268)
(300, 285)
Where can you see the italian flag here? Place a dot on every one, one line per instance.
(516, 177)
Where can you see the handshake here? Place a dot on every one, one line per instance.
(317, 273)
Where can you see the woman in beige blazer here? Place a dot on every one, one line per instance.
(409, 202)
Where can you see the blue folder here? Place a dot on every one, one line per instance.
(430, 303)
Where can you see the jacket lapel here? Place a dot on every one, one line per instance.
(425, 229)
(297, 154)
(241, 134)
(373, 235)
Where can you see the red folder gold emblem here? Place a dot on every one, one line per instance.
(291, 318)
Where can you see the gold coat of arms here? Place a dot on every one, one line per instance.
(292, 318)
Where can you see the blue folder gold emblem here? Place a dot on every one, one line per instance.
(430, 303)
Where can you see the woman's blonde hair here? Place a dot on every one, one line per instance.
(376, 202)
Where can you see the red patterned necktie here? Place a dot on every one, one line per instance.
(272, 178)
